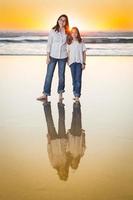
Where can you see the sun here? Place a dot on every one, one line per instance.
(82, 23)
(78, 22)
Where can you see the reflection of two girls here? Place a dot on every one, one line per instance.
(65, 149)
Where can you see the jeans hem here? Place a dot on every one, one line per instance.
(61, 91)
(76, 94)
(47, 94)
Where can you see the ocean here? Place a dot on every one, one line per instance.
(97, 43)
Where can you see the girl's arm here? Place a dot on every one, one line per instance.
(84, 56)
(48, 58)
(84, 60)
(48, 48)
(68, 54)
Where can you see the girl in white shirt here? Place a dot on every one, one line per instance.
(76, 60)
(56, 53)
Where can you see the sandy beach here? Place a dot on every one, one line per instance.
(105, 170)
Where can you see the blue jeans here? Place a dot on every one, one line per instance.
(50, 72)
(76, 71)
(50, 122)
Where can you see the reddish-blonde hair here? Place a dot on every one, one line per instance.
(69, 38)
(56, 27)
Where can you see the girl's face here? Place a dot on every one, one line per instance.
(74, 33)
(62, 21)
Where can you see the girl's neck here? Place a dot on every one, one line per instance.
(62, 29)
(75, 39)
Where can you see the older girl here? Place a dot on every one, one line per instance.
(56, 53)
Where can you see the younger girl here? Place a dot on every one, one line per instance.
(76, 60)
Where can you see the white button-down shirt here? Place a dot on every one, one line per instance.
(56, 45)
(75, 52)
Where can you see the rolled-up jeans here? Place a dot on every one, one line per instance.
(50, 72)
(76, 71)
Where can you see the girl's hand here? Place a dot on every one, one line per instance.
(83, 66)
(47, 60)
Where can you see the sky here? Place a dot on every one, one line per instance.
(87, 15)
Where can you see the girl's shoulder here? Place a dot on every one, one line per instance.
(74, 44)
(83, 46)
(52, 31)
(82, 42)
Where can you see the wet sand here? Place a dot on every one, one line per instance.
(38, 141)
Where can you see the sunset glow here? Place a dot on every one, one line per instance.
(86, 14)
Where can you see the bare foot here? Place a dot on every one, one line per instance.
(76, 99)
(61, 97)
(42, 98)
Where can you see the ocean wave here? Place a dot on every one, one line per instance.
(21, 41)
(85, 39)
(40, 49)
(108, 40)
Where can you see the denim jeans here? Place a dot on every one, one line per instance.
(76, 71)
(50, 122)
(50, 72)
(76, 125)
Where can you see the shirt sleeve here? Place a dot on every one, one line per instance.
(84, 47)
(50, 39)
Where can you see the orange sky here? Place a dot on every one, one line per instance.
(86, 14)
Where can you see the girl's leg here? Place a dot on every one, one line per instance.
(61, 75)
(61, 121)
(73, 72)
(49, 76)
(48, 79)
(78, 79)
(50, 123)
(76, 125)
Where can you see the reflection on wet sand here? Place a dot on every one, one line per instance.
(65, 148)
(105, 172)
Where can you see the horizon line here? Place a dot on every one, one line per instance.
(40, 30)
